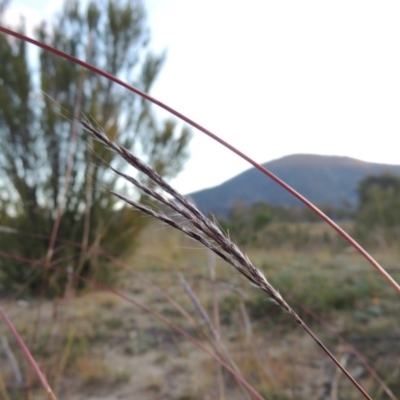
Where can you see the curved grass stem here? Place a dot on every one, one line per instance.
(28, 355)
(262, 169)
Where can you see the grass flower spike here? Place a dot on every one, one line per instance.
(202, 230)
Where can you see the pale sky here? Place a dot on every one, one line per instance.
(275, 78)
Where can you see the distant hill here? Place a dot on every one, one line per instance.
(322, 179)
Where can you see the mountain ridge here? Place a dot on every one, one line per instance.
(322, 179)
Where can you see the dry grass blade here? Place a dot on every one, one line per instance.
(206, 232)
(220, 347)
(240, 379)
(197, 305)
(12, 360)
(28, 355)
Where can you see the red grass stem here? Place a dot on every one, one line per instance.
(28, 355)
(265, 171)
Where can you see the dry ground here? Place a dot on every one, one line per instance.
(99, 346)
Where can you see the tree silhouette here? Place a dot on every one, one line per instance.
(378, 215)
(49, 165)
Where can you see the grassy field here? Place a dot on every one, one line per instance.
(99, 346)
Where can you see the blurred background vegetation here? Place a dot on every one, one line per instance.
(375, 221)
(54, 177)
